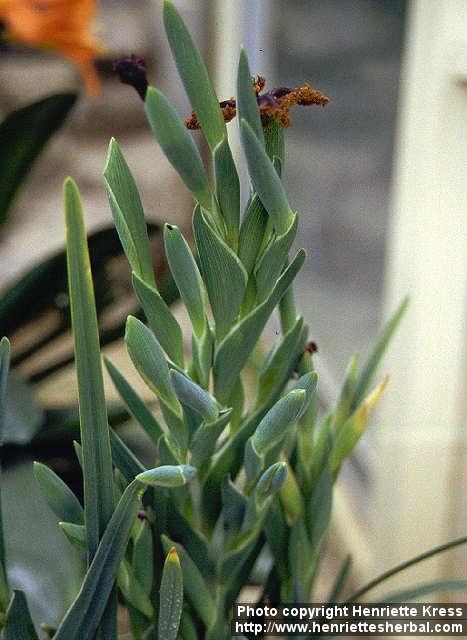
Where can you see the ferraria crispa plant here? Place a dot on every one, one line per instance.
(238, 470)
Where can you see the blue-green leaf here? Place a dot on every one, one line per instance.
(193, 396)
(135, 405)
(227, 191)
(97, 458)
(128, 213)
(265, 180)
(205, 438)
(85, 613)
(161, 320)
(75, 533)
(148, 358)
(178, 146)
(236, 347)
(273, 427)
(194, 76)
(168, 476)
(187, 277)
(171, 597)
(253, 232)
(194, 585)
(224, 275)
(246, 98)
(59, 496)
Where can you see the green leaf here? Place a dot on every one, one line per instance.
(193, 396)
(97, 458)
(148, 358)
(19, 625)
(291, 497)
(224, 275)
(344, 404)
(370, 366)
(4, 368)
(227, 191)
(83, 617)
(280, 364)
(233, 508)
(178, 146)
(168, 476)
(194, 76)
(426, 589)
(270, 482)
(171, 597)
(161, 320)
(319, 508)
(135, 405)
(124, 459)
(339, 582)
(252, 233)
(246, 98)
(265, 180)
(23, 135)
(352, 430)
(282, 415)
(75, 533)
(205, 438)
(187, 277)
(142, 562)
(273, 260)
(59, 496)
(236, 347)
(128, 213)
(194, 585)
(133, 591)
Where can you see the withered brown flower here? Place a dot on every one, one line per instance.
(273, 105)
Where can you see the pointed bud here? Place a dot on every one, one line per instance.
(168, 475)
(272, 480)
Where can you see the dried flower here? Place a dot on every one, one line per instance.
(132, 70)
(273, 105)
(62, 26)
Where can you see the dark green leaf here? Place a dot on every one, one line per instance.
(23, 134)
(19, 625)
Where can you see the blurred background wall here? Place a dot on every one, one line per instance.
(376, 176)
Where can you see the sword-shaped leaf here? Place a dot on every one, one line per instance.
(246, 98)
(59, 496)
(128, 213)
(178, 146)
(161, 320)
(171, 597)
(265, 180)
(236, 347)
(224, 275)
(97, 458)
(194, 75)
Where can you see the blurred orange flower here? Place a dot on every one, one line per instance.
(59, 25)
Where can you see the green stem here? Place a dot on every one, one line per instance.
(405, 565)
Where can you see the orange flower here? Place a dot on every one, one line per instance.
(58, 25)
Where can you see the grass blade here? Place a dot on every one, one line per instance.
(194, 75)
(224, 275)
(128, 213)
(178, 146)
(97, 458)
(426, 589)
(171, 597)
